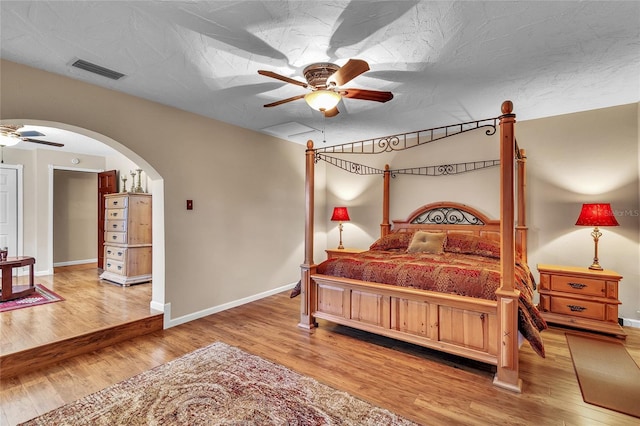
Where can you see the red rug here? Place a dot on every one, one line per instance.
(40, 296)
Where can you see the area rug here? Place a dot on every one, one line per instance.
(40, 296)
(219, 385)
(607, 374)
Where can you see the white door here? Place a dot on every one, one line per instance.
(9, 209)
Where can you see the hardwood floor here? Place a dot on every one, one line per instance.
(94, 314)
(423, 385)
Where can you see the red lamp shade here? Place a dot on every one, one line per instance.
(340, 214)
(597, 215)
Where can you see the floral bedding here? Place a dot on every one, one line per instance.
(449, 271)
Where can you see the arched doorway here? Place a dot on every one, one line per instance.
(156, 187)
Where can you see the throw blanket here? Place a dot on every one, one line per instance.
(454, 273)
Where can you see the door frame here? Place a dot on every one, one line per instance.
(53, 167)
(20, 188)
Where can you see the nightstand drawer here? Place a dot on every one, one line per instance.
(578, 308)
(578, 285)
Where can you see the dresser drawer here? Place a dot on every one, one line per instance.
(115, 237)
(117, 202)
(115, 266)
(578, 308)
(115, 253)
(115, 225)
(116, 214)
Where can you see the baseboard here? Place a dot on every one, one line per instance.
(165, 309)
(631, 323)
(75, 262)
(171, 322)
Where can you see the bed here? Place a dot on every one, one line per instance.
(390, 292)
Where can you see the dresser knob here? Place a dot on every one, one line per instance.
(577, 286)
(576, 308)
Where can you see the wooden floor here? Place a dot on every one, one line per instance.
(423, 385)
(90, 304)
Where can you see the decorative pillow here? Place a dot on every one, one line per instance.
(472, 244)
(396, 240)
(427, 242)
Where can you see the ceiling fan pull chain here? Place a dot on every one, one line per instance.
(324, 120)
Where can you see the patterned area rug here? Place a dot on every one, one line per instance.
(40, 296)
(216, 385)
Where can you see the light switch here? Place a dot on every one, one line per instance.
(189, 204)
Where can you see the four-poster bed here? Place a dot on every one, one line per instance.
(473, 292)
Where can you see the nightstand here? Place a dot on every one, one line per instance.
(333, 253)
(580, 297)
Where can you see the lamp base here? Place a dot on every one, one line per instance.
(595, 267)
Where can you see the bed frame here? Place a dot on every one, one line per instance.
(483, 330)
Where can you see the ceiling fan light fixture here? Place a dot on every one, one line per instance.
(322, 100)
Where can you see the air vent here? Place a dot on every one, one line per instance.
(97, 69)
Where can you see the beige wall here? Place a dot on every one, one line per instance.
(39, 166)
(75, 215)
(244, 236)
(572, 159)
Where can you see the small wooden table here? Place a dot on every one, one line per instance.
(9, 292)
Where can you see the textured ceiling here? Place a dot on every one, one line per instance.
(444, 61)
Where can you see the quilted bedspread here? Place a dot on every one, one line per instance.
(454, 273)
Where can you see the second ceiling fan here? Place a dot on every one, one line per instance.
(324, 81)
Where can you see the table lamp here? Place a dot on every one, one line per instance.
(596, 214)
(340, 214)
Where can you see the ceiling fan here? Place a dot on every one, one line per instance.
(324, 81)
(10, 135)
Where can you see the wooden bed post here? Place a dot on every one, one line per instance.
(521, 228)
(507, 296)
(308, 267)
(385, 226)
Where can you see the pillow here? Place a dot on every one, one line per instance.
(427, 242)
(396, 240)
(472, 244)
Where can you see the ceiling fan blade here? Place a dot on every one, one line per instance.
(284, 101)
(367, 95)
(349, 71)
(56, 144)
(282, 78)
(30, 134)
(332, 112)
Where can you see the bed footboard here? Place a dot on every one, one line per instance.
(458, 325)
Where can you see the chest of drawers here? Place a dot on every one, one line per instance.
(581, 298)
(127, 236)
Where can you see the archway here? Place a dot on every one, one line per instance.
(156, 187)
